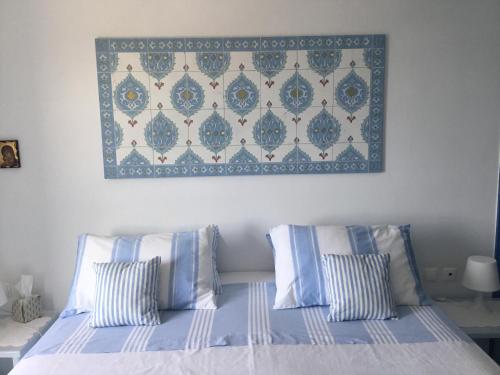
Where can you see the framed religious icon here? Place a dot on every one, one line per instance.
(9, 154)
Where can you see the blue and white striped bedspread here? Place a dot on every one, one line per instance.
(245, 317)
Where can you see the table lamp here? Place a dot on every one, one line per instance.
(481, 276)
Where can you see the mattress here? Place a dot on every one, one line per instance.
(246, 336)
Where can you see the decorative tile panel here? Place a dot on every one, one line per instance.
(180, 107)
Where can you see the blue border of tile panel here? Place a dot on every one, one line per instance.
(106, 47)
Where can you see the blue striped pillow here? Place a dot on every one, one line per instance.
(300, 280)
(126, 294)
(358, 287)
(188, 273)
(215, 245)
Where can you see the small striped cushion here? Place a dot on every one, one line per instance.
(126, 294)
(358, 287)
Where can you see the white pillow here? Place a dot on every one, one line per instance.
(187, 272)
(300, 280)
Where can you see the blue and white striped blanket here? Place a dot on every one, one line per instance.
(245, 317)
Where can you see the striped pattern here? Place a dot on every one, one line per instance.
(259, 327)
(359, 287)
(297, 251)
(307, 289)
(78, 339)
(434, 324)
(126, 294)
(138, 339)
(379, 332)
(244, 318)
(184, 265)
(201, 327)
(317, 326)
(215, 245)
(188, 273)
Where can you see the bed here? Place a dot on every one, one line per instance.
(246, 336)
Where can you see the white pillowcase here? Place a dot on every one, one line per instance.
(187, 271)
(300, 280)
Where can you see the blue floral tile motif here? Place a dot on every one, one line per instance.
(317, 42)
(269, 64)
(158, 65)
(143, 171)
(365, 129)
(367, 57)
(113, 62)
(297, 156)
(241, 44)
(161, 134)
(118, 134)
(131, 96)
(279, 94)
(324, 62)
(377, 58)
(187, 96)
(269, 132)
(189, 157)
(323, 130)
(350, 154)
(354, 41)
(352, 92)
(134, 158)
(283, 43)
(128, 44)
(213, 64)
(351, 161)
(296, 94)
(104, 61)
(242, 95)
(215, 133)
(105, 96)
(243, 156)
(204, 44)
(166, 44)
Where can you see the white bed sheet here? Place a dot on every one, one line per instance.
(422, 341)
(461, 358)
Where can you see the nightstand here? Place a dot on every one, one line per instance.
(476, 324)
(17, 338)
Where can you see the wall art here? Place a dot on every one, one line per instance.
(179, 107)
(9, 154)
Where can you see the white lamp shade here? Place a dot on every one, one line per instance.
(3, 295)
(481, 274)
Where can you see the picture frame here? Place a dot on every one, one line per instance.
(9, 154)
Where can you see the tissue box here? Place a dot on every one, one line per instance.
(26, 309)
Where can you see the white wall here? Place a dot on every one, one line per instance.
(443, 94)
